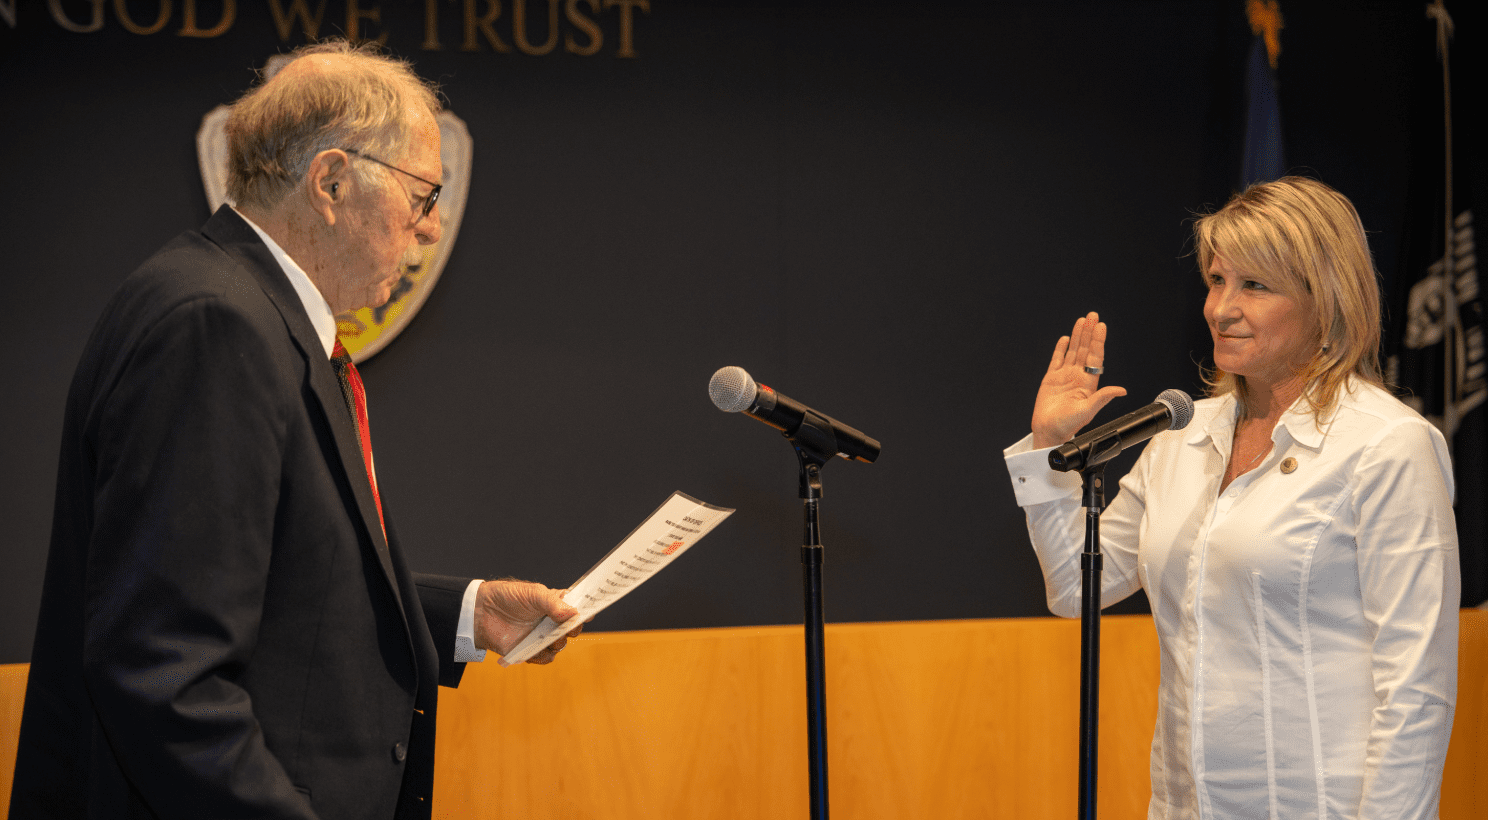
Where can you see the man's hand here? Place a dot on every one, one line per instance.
(506, 610)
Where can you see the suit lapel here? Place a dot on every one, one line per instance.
(238, 239)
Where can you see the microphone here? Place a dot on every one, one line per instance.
(1172, 411)
(732, 390)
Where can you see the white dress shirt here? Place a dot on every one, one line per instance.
(324, 322)
(1306, 618)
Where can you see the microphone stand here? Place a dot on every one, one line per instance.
(812, 459)
(1093, 479)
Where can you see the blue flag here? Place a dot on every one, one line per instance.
(1263, 160)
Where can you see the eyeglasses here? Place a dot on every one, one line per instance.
(433, 195)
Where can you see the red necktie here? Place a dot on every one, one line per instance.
(356, 402)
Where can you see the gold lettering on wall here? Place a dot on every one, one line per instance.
(61, 18)
(431, 26)
(493, 10)
(189, 27)
(519, 28)
(122, 12)
(584, 24)
(484, 25)
(284, 22)
(627, 36)
(354, 17)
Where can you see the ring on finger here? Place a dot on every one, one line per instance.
(1094, 371)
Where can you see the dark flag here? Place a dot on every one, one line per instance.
(1263, 160)
(1436, 342)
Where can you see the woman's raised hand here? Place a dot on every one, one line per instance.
(1068, 397)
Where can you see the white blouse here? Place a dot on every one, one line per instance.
(1307, 618)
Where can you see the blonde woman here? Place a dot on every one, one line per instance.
(1296, 541)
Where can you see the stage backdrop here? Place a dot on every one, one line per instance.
(887, 210)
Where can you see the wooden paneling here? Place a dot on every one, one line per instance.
(12, 695)
(1465, 781)
(945, 719)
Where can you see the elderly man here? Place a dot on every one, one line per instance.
(227, 627)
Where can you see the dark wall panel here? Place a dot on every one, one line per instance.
(889, 211)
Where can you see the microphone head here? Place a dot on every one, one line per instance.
(1179, 405)
(732, 390)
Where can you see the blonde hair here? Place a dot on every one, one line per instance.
(1308, 238)
(360, 102)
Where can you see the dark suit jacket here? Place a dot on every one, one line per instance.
(224, 629)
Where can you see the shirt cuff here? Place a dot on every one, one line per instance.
(465, 651)
(1034, 481)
